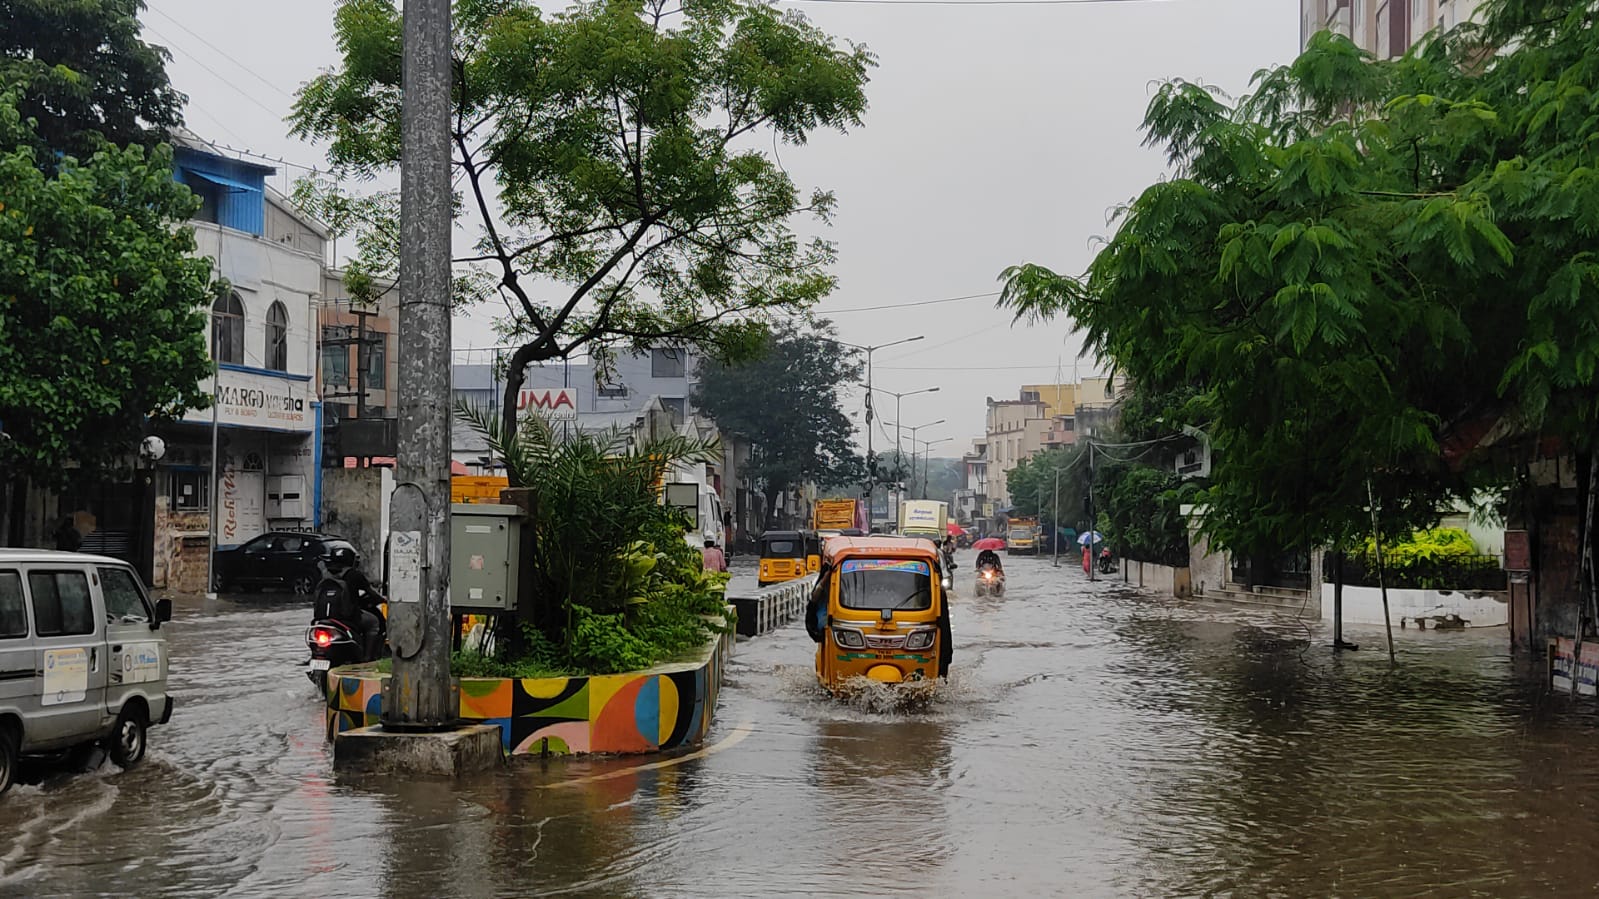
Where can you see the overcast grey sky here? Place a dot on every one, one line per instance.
(996, 134)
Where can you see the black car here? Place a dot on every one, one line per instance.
(282, 559)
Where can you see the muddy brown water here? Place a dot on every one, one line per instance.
(1094, 742)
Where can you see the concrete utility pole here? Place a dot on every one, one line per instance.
(420, 697)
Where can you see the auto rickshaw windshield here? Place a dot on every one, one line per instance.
(876, 584)
(780, 549)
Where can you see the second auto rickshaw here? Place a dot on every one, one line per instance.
(783, 557)
(880, 610)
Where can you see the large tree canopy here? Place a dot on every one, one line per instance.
(82, 73)
(102, 303)
(1355, 260)
(787, 403)
(618, 159)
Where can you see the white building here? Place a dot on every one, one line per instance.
(267, 417)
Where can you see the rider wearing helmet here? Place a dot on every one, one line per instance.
(345, 594)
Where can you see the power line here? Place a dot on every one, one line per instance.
(982, 2)
(214, 73)
(223, 53)
(974, 296)
(965, 367)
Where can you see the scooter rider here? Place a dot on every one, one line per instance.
(345, 594)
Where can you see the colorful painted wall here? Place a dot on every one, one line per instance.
(667, 707)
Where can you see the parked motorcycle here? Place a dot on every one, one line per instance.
(1107, 565)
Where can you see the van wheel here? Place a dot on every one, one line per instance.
(8, 758)
(127, 741)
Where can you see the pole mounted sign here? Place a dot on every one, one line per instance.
(554, 403)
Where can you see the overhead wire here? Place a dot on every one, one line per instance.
(973, 296)
(214, 73)
(220, 52)
(981, 2)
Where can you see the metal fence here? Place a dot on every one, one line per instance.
(1478, 572)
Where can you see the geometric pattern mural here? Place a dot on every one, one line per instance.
(669, 707)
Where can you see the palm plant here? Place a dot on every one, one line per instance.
(595, 498)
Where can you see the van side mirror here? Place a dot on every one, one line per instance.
(163, 611)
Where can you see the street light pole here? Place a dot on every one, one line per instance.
(871, 485)
(899, 451)
(420, 696)
(927, 452)
(1054, 538)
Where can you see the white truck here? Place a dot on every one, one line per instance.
(924, 518)
(689, 487)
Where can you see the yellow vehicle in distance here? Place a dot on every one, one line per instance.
(880, 611)
(1022, 536)
(783, 557)
(813, 552)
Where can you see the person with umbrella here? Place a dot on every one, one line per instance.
(1088, 540)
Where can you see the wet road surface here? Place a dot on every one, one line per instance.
(1093, 741)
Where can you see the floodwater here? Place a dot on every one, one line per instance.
(1094, 741)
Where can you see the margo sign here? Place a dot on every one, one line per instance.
(258, 400)
(555, 403)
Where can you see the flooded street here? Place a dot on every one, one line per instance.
(1094, 741)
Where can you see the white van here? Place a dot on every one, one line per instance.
(82, 657)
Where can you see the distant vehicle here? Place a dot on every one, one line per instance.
(784, 557)
(1022, 536)
(477, 488)
(924, 518)
(82, 657)
(836, 514)
(285, 560)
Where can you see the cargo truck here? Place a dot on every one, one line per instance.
(924, 518)
(1022, 536)
(837, 515)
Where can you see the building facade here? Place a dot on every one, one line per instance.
(1015, 429)
(1383, 28)
(264, 430)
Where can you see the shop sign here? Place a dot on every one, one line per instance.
(254, 400)
(554, 403)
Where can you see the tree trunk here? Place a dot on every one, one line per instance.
(514, 378)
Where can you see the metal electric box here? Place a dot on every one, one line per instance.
(484, 543)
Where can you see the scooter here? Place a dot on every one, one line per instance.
(990, 582)
(332, 644)
(1107, 565)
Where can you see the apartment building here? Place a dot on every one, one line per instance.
(1384, 28)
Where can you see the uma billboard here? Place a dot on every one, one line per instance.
(554, 403)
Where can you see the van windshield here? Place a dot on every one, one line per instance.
(876, 584)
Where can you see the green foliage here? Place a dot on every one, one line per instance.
(79, 69)
(102, 302)
(787, 402)
(616, 586)
(1355, 261)
(1037, 493)
(614, 149)
(1141, 511)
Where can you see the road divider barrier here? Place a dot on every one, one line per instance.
(769, 608)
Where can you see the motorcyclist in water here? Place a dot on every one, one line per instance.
(345, 594)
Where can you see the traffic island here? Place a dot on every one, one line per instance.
(447, 753)
(669, 706)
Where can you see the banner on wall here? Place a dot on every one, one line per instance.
(259, 400)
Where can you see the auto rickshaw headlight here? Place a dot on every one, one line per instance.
(849, 638)
(920, 639)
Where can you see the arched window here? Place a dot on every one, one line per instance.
(227, 329)
(277, 338)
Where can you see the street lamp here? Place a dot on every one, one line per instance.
(927, 446)
(899, 452)
(869, 350)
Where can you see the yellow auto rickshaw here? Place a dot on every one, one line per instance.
(880, 610)
(813, 552)
(782, 557)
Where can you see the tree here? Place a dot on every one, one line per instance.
(81, 72)
(102, 303)
(1354, 261)
(786, 402)
(610, 156)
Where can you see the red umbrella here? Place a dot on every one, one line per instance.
(993, 543)
(954, 529)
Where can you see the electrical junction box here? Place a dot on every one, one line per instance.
(484, 544)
